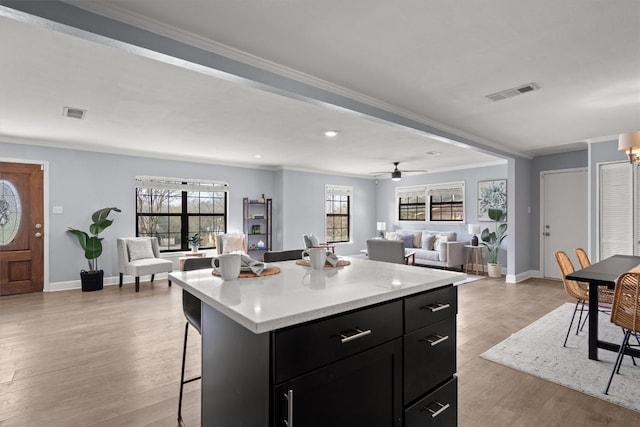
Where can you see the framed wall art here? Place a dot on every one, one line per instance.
(491, 194)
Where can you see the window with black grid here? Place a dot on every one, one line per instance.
(175, 210)
(338, 214)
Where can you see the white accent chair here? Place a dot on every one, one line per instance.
(139, 256)
(311, 241)
(231, 242)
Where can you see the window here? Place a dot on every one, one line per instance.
(432, 202)
(411, 204)
(446, 202)
(172, 209)
(338, 213)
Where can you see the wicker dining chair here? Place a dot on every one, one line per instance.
(605, 295)
(625, 313)
(583, 258)
(574, 289)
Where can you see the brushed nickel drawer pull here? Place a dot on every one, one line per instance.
(436, 306)
(436, 339)
(360, 334)
(289, 396)
(439, 409)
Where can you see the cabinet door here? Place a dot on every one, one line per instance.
(361, 390)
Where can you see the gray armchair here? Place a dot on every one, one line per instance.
(389, 251)
(139, 256)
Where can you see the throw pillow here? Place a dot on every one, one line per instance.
(408, 240)
(427, 241)
(139, 249)
(232, 243)
(391, 235)
(438, 241)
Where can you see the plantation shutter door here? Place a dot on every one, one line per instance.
(615, 210)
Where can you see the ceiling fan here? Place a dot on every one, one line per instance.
(396, 174)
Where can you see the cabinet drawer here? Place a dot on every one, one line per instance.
(439, 408)
(312, 345)
(430, 307)
(429, 358)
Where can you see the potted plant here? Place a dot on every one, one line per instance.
(92, 279)
(493, 239)
(194, 242)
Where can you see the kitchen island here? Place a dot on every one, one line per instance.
(370, 344)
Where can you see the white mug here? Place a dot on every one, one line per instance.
(228, 266)
(316, 257)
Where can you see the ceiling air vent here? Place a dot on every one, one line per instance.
(74, 113)
(508, 93)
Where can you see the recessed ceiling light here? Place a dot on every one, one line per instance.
(258, 156)
(331, 133)
(432, 153)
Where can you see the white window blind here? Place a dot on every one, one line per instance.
(616, 204)
(338, 190)
(410, 191)
(180, 184)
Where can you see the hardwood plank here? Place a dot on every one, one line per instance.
(112, 358)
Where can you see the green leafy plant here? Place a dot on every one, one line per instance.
(92, 243)
(493, 239)
(194, 240)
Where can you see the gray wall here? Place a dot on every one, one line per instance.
(572, 160)
(385, 204)
(82, 182)
(304, 210)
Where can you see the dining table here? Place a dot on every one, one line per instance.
(603, 273)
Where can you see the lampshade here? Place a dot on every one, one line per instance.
(473, 228)
(630, 144)
(381, 226)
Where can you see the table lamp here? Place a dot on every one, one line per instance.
(381, 227)
(473, 230)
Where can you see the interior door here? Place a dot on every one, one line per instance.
(564, 217)
(21, 228)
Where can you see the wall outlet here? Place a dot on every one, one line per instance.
(57, 209)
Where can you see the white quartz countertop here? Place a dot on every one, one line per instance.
(298, 294)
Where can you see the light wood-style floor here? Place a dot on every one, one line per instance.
(112, 358)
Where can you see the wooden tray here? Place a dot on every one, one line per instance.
(269, 271)
(341, 263)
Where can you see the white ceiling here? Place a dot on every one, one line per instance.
(433, 61)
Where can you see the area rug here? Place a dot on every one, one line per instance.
(537, 350)
(470, 278)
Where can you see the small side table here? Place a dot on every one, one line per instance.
(475, 255)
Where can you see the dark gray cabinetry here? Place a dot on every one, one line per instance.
(387, 365)
(430, 387)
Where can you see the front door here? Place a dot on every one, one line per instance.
(21, 228)
(564, 218)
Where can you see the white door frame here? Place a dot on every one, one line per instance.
(45, 207)
(542, 211)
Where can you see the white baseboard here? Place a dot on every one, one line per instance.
(108, 281)
(520, 277)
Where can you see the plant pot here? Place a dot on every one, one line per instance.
(92, 280)
(194, 249)
(494, 270)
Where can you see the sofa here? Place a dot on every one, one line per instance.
(432, 248)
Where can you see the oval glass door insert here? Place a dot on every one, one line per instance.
(10, 212)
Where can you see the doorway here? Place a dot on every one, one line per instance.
(21, 228)
(564, 217)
